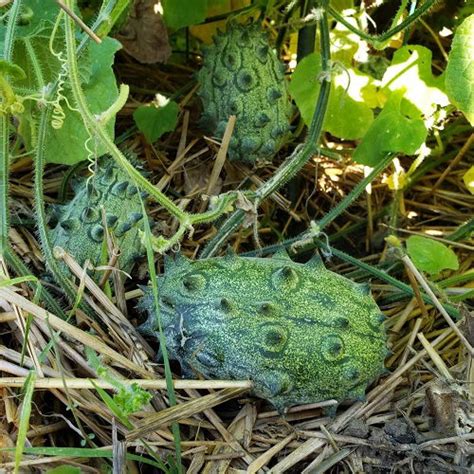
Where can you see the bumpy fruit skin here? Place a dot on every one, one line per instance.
(242, 76)
(80, 230)
(300, 332)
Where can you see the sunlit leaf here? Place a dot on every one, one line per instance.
(206, 31)
(410, 72)
(346, 46)
(348, 116)
(391, 131)
(468, 179)
(430, 255)
(460, 69)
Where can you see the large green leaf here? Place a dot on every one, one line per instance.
(67, 144)
(391, 131)
(348, 116)
(460, 70)
(32, 53)
(35, 14)
(430, 255)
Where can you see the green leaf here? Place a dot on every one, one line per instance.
(430, 255)
(154, 121)
(64, 469)
(341, 5)
(410, 72)
(304, 86)
(180, 13)
(33, 18)
(348, 115)
(460, 69)
(67, 145)
(32, 53)
(391, 131)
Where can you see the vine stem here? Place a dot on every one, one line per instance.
(67, 286)
(97, 129)
(305, 239)
(5, 135)
(293, 163)
(378, 40)
(382, 275)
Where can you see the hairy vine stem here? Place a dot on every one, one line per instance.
(44, 124)
(378, 40)
(306, 236)
(293, 163)
(68, 287)
(5, 133)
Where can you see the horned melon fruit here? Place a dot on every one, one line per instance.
(300, 332)
(107, 197)
(242, 76)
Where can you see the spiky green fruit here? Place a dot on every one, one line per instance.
(300, 332)
(107, 199)
(242, 76)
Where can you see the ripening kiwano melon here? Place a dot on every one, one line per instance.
(107, 197)
(242, 76)
(300, 332)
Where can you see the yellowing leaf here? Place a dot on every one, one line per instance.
(206, 31)
(468, 179)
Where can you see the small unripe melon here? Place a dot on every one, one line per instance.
(242, 76)
(108, 199)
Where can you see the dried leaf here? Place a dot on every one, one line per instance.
(144, 35)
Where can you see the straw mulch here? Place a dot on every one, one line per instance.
(417, 417)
